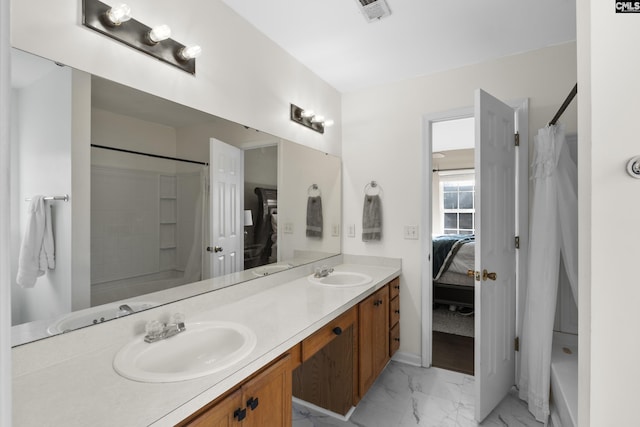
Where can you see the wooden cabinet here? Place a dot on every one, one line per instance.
(394, 316)
(373, 326)
(262, 401)
(328, 375)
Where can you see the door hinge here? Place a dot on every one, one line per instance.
(517, 139)
(517, 242)
(516, 343)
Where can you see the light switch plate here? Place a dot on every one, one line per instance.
(351, 230)
(335, 230)
(411, 232)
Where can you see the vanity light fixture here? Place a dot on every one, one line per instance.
(119, 14)
(309, 119)
(159, 33)
(116, 22)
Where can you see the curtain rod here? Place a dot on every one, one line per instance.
(122, 150)
(564, 105)
(453, 169)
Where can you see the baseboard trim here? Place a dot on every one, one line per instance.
(407, 358)
(323, 410)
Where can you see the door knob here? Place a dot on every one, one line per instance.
(214, 249)
(475, 274)
(486, 275)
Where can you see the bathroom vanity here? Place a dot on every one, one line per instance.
(323, 344)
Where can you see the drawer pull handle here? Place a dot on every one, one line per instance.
(252, 403)
(240, 414)
(397, 311)
(397, 339)
(337, 330)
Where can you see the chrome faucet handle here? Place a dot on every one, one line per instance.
(154, 330)
(178, 320)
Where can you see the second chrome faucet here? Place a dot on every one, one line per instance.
(158, 331)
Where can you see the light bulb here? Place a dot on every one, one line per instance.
(328, 123)
(317, 119)
(190, 52)
(307, 113)
(119, 14)
(159, 33)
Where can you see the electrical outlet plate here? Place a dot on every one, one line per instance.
(411, 232)
(288, 228)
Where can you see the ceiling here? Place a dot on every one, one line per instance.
(420, 37)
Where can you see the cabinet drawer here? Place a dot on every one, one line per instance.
(394, 339)
(394, 311)
(394, 288)
(322, 337)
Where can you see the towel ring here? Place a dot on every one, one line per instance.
(372, 188)
(313, 190)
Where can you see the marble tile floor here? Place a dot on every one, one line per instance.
(406, 395)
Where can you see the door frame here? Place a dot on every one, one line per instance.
(521, 107)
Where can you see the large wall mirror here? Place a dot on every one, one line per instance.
(165, 202)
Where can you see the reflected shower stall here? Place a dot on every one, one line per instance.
(148, 216)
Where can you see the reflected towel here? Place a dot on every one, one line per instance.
(314, 216)
(371, 219)
(37, 250)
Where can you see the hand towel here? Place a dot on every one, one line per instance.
(371, 219)
(314, 216)
(37, 250)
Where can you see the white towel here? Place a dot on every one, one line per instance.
(37, 251)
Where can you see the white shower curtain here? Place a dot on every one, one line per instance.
(553, 231)
(195, 263)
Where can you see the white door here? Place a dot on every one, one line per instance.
(495, 295)
(226, 247)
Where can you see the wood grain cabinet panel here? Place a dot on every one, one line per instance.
(373, 325)
(262, 401)
(394, 316)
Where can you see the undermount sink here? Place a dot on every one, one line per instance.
(341, 278)
(204, 348)
(95, 315)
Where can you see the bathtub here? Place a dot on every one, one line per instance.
(564, 380)
(117, 290)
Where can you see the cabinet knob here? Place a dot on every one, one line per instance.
(337, 330)
(240, 414)
(252, 403)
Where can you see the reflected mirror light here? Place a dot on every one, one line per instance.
(148, 197)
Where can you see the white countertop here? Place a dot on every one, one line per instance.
(80, 388)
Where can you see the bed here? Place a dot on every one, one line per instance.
(453, 256)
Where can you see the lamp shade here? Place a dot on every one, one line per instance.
(248, 218)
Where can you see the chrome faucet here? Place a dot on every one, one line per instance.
(126, 309)
(323, 271)
(158, 331)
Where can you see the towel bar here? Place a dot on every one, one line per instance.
(64, 198)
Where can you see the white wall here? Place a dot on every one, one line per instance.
(5, 193)
(382, 141)
(41, 144)
(241, 76)
(609, 202)
(299, 169)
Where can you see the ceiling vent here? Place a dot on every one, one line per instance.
(374, 9)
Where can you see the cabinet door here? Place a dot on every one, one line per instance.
(267, 397)
(223, 414)
(374, 337)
